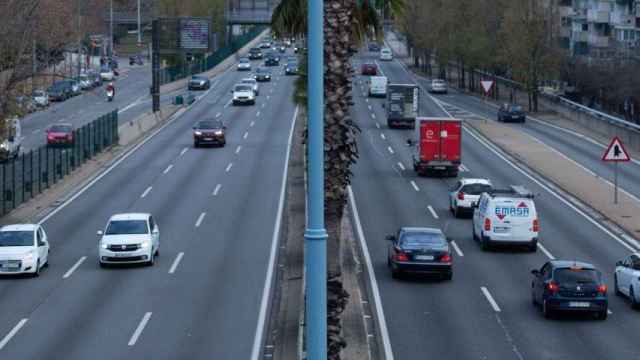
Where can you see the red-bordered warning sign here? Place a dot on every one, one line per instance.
(616, 151)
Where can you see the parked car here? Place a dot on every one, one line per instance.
(40, 98)
(129, 238)
(60, 135)
(24, 249)
(438, 86)
(199, 82)
(85, 82)
(626, 279)
(136, 60)
(75, 87)
(369, 68)
(209, 132)
(95, 77)
(26, 104)
(244, 64)
(60, 91)
(421, 251)
(511, 112)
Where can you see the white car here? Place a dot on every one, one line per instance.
(438, 86)
(386, 54)
(378, 86)
(129, 238)
(465, 194)
(243, 94)
(244, 64)
(106, 74)
(627, 279)
(24, 249)
(41, 98)
(253, 83)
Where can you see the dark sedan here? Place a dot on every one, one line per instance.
(420, 251)
(570, 286)
(255, 54)
(136, 59)
(60, 91)
(60, 135)
(369, 68)
(291, 68)
(199, 83)
(271, 60)
(511, 112)
(374, 47)
(262, 74)
(209, 132)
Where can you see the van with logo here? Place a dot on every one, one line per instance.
(506, 217)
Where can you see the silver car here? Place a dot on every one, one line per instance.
(253, 83)
(465, 194)
(438, 86)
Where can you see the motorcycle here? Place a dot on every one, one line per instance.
(109, 95)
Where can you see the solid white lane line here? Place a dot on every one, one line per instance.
(609, 312)
(35, 131)
(266, 291)
(390, 149)
(378, 125)
(258, 114)
(382, 323)
(382, 136)
(218, 115)
(200, 218)
(228, 103)
(12, 333)
(217, 190)
(401, 166)
(146, 192)
(493, 303)
(74, 267)
(546, 252)
(238, 149)
(168, 169)
(176, 262)
(252, 123)
(139, 329)
(184, 151)
(433, 212)
(415, 186)
(245, 135)
(456, 248)
(228, 167)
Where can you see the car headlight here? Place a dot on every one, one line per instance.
(104, 245)
(198, 133)
(219, 132)
(4, 146)
(145, 245)
(29, 256)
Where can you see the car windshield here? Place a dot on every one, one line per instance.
(421, 239)
(38, 93)
(243, 88)
(209, 124)
(16, 238)
(244, 60)
(262, 71)
(60, 128)
(197, 78)
(576, 276)
(516, 108)
(122, 227)
(476, 189)
(249, 81)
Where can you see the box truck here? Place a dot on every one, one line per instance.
(438, 147)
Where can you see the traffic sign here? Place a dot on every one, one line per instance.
(487, 85)
(616, 152)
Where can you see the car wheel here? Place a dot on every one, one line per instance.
(395, 273)
(533, 297)
(616, 289)
(152, 259)
(448, 276)
(456, 212)
(634, 302)
(533, 246)
(548, 313)
(484, 246)
(602, 315)
(37, 272)
(473, 232)
(195, 144)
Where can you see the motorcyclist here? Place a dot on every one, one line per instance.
(112, 89)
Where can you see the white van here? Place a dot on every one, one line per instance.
(508, 217)
(378, 86)
(386, 54)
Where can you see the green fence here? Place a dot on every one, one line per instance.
(174, 73)
(35, 171)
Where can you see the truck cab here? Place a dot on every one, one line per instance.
(10, 146)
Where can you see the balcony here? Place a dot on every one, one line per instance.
(599, 41)
(579, 36)
(578, 14)
(598, 16)
(620, 20)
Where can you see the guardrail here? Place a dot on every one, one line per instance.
(595, 113)
(30, 174)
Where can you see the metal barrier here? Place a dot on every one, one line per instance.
(33, 172)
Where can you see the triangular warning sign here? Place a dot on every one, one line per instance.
(486, 85)
(616, 151)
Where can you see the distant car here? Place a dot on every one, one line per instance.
(279, 47)
(209, 132)
(60, 135)
(24, 249)
(465, 194)
(369, 68)
(627, 279)
(85, 82)
(386, 54)
(129, 238)
(40, 98)
(106, 73)
(60, 91)
(243, 94)
(378, 86)
(265, 45)
(95, 77)
(136, 59)
(199, 82)
(511, 112)
(271, 60)
(420, 251)
(374, 47)
(253, 83)
(244, 64)
(262, 74)
(255, 54)
(291, 68)
(26, 104)
(438, 86)
(287, 42)
(75, 87)
(569, 286)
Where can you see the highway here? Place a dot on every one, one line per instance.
(485, 312)
(218, 210)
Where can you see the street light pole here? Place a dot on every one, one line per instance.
(139, 32)
(111, 29)
(315, 234)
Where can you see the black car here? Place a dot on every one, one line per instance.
(271, 60)
(255, 54)
(262, 74)
(209, 132)
(511, 112)
(198, 82)
(60, 91)
(136, 59)
(291, 68)
(570, 286)
(374, 47)
(420, 251)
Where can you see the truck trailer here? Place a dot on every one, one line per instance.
(438, 147)
(402, 105)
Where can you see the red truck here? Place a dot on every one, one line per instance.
(439, 146)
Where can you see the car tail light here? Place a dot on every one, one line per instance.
(446, 258)
(487, 224)
(602, 289)
(460, 195)
(69, 137)
(553, 287)
(536, 225)
(50, 136)
(400, 256)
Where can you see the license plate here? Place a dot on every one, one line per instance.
(10, 265)
(440, 168)
(498, 229)
(514, 116)
(119, 254)
(208, 139)
(578, 304)
(424, 257)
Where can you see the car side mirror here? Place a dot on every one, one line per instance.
(390, 237)
(619, 263)
(99, 233)
(449, 239)
(155, 231)
(224, 127)
(535, 272)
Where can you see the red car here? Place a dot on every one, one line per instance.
(60, 135)
(369, 68)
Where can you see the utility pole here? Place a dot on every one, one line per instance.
(315, 235)
(111, 29)
(139, 27)
(34, 67)
(79, 41)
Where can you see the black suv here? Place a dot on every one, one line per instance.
(272, 60)
(571, 286)
(60, 91)
(511, 112)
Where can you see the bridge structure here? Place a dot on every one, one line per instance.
(250, 12)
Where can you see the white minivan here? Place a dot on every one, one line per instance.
(378, 86)
(386, 54)
(506, 217)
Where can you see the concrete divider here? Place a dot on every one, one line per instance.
(131, 131)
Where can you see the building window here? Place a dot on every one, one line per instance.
(585, 27)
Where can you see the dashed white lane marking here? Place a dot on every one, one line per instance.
(401, 166)
(12, 333)
(245, 135)
(415, 186)
(176, 262)
(228, 103)
(146, 192)
(609, 312)
(74, 267)
(373, 116)
(200, 218)
(218, 115)
(35, 131)
(383, 137)
(228, 167)
(238, 149)
(369, 106)
(456, 248)
(217, 190)
(258, 114)
(433, 212)
(546, 252)
(378, 125)
(390, 149)
(252, 123)
(184, 151)
(493, 303)
(263, 105)
(268, 96)
(367, 100)
(139, 329)
(463, 168)
(168, 169)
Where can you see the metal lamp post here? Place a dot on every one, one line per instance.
(315, 234)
